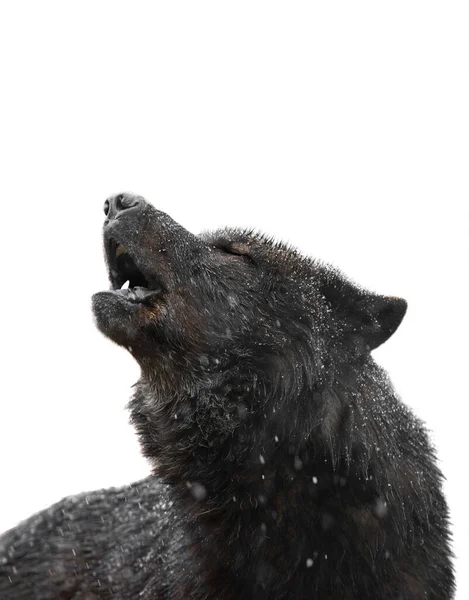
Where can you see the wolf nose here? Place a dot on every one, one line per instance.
(119, 203)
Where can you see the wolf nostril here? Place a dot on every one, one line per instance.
(126, 201)
(119, 203)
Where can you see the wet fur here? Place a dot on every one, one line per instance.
(284, 464)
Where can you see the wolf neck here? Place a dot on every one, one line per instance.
(242, 473)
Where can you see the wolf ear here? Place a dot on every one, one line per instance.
(369, 317)
(377, 318)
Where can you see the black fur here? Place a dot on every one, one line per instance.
(285, 466)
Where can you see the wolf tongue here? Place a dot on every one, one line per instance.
(139, 293)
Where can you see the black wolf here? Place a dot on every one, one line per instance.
(284, 465)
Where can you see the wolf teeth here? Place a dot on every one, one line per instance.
(120, 250)
(125, 286)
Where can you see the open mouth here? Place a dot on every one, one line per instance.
(126, 278)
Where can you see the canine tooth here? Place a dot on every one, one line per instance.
(120, 250)
(125, 285)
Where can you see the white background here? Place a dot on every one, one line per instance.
(338, 126)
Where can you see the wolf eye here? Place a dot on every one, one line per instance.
(236, 252)
(236, 249)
